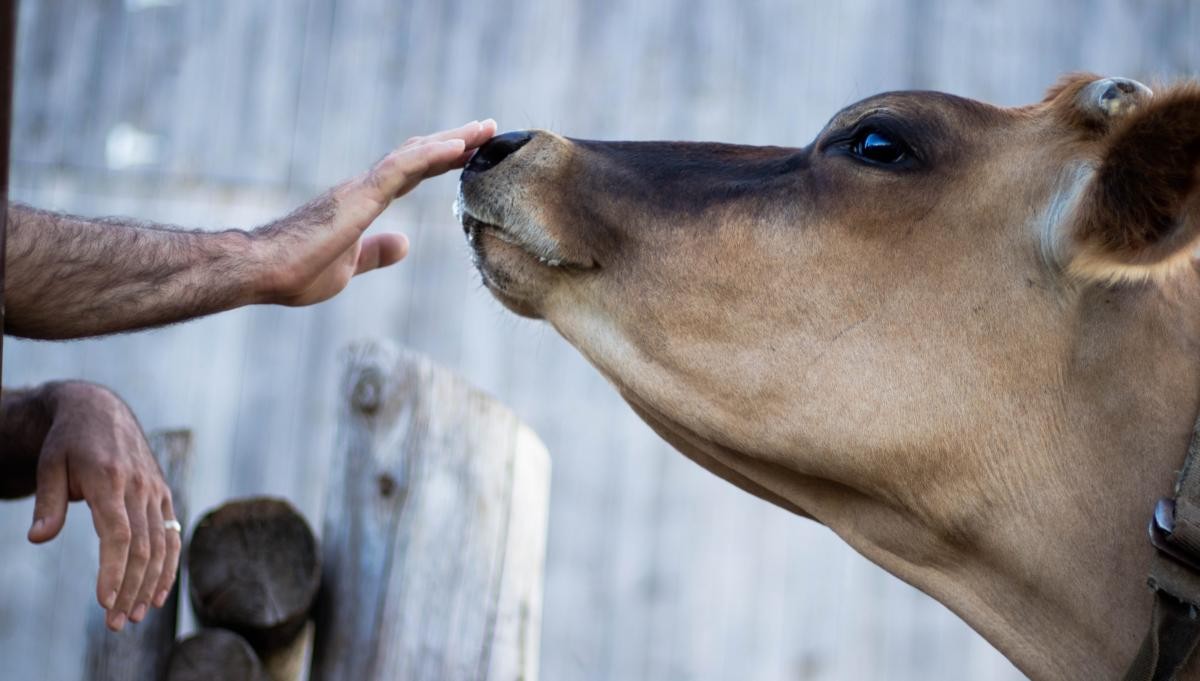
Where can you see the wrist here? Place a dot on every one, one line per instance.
(25, 419)
(56, 395)
(250, 280)
(28, 409)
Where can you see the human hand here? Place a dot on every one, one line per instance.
(311, 255)
(94, 450)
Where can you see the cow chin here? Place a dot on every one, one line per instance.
(512, 275)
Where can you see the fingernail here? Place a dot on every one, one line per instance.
(490, 120)
(118, 622)
(37, 525)
(138, 613)
(161, 598)
(111, 600)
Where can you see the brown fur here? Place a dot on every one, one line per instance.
(979, 366)
(1142, 206)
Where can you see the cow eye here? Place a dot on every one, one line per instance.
(878, 147)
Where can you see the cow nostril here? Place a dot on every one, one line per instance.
(496, 150)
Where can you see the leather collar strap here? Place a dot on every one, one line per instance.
(1174, 577)
(8, 51)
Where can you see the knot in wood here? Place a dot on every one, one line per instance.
(387, 485)
(368, 391)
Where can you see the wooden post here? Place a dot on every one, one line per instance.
(254, 568)
(434, 533)
(140, 651)
(211, 654)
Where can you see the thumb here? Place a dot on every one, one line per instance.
(381, 250)
(50, 507)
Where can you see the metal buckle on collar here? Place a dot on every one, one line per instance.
(1162, 525)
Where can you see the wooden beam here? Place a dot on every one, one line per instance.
(254, 568)
(140, 651)
(211, 654)
(434, 535)
(8, 55)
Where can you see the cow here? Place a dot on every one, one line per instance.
(965, 338)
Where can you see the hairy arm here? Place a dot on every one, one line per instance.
(69, 276)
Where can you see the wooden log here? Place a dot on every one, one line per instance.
(214, 654)
(289, 662)
(140, 651)
(254, 568)
(434, 535)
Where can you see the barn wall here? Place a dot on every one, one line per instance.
(215, 113)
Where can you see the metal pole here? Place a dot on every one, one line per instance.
(8, 56)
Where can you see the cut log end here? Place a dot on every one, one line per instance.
(214, 654)
(254, 569)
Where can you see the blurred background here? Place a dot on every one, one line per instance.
(227, 113)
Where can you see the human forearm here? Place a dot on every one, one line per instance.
(24, 421)
(69, 276)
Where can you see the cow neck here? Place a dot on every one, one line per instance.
(1174, 577)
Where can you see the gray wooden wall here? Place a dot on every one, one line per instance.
(228, 112)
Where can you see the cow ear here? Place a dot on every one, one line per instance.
(1139, 216)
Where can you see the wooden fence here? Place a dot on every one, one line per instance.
(433, 546)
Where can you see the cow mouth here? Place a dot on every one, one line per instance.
(516, 260)
(474, 229)
(483, 223)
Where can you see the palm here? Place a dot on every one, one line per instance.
(330, 280)
(313, 253)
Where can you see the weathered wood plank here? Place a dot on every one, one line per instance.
(434, 529)
(141, 651)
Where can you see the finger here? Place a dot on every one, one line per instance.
(381, 250)
(443, 161)
(112, 526)
(472, 134)
(158, 551)
(139, 551)
(50, 507)
(463, 158)
(404, 169)
(166, 579)
(488, 132)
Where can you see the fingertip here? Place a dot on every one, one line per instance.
(402, 246)
(106, 595)
(115, 621)
(392, 248)
(45, 529)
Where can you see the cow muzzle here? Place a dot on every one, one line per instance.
(509, 194)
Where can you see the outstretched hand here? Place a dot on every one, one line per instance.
(311, 255)
(95, 451)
